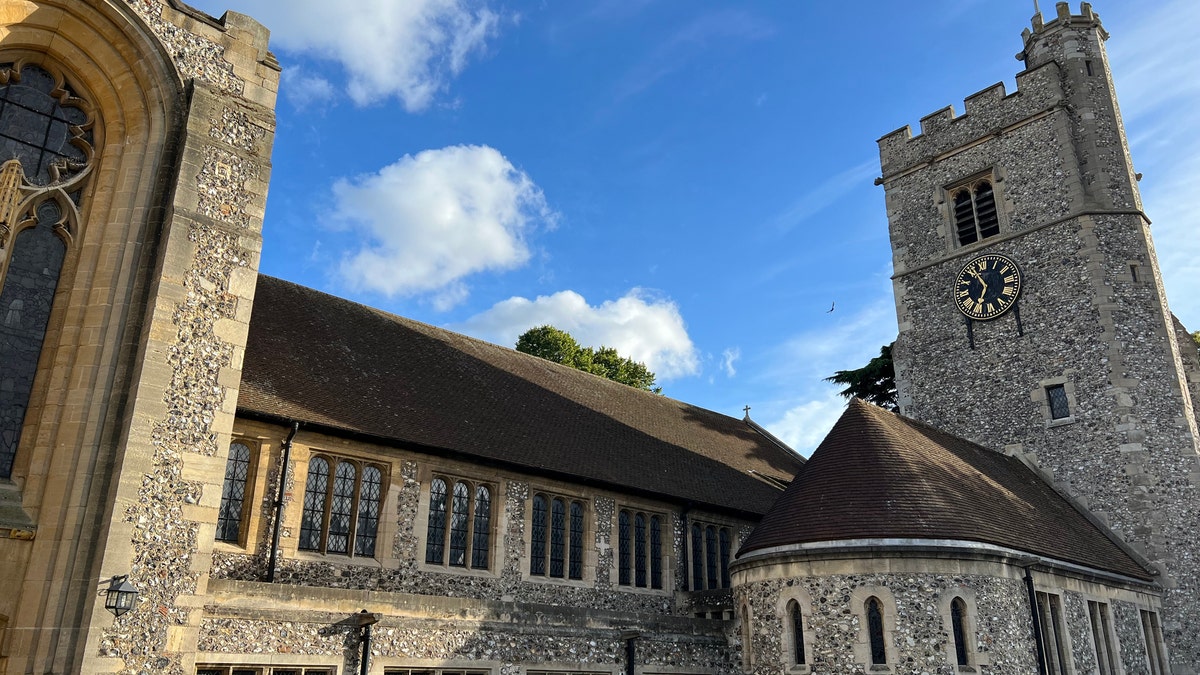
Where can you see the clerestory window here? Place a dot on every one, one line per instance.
(341, 506)
(975, 214)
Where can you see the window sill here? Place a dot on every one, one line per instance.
(799, 669)
(457, 571)
(336, 558)
(643, 591)
(554, 581)
(1060, 422)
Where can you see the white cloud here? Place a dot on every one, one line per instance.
(804, 426)
(304, 89)
(728, 358)
(432, 219)
(1154, 62)
(638, 325)
(408, 49)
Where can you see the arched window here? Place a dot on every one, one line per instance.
(45, 145)
(710, 545)
(342, 510)
(796, 629)
(639, 549)
(562, 529)
(958, 629)
(459, 529)
(711, 550)
(747, 639)
(725, 545)
(975, 216)
(874, 610)
(233, 493)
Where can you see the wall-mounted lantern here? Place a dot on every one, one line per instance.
(120, 596)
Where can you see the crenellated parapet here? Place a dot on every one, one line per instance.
(989, 112)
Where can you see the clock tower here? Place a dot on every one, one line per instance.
(1031, 310)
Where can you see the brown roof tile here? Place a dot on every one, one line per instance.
(345, 367)
(878, 475)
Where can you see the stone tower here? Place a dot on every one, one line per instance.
(1062, 348)
(135, 142)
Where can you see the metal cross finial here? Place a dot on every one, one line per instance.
(747, 411)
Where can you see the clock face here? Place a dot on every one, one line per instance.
(987, 287)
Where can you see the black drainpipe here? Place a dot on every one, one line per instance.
(1037, 621)
(366, 620)
(287, 454)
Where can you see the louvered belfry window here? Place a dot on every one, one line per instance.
(975, 215)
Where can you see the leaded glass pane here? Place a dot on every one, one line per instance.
(368, 512)
(1060, 407)
(341, 507)
(35, 128)
(875, 632)
(655, 552)
(958, 611)
(481, 536)
(697, 558)
(710, 547)
(233, 493)
(624, 549)
(537, 537)
(460, 509)
(725, 544)
(558, 526)
(312, 523)
(576, 557)
(639, 550)
(435, 537)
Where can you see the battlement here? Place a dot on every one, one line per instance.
(987, 111)
(1063, 19)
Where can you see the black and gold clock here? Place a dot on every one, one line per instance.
(987, 287)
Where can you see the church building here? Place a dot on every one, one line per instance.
(209, 471)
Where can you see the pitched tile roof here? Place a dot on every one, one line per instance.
(348, 368)
(878, 475)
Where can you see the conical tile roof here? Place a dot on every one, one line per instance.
(878, 475)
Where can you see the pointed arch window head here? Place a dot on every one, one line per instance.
(233, 494)
(639, 549)
(43, 124)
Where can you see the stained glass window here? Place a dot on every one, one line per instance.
(575, 558)
(558, 524)
(624, 549)
(655, 553)
(639, 550)
(481, 537)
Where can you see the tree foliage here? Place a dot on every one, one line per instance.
(1196, 338)
(874, 382)
(559, 346)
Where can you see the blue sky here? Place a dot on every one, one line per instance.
(691, 183)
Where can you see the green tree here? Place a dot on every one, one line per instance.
(1196, 338)
(556, 345)
(874, 382)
